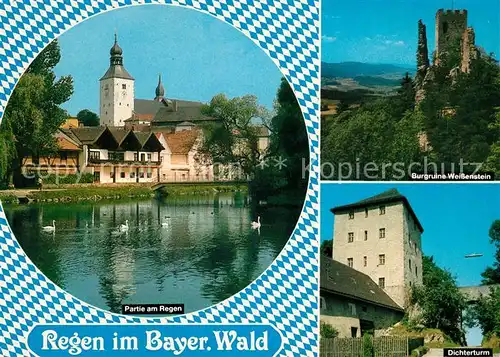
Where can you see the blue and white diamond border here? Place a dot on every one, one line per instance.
(286, 294)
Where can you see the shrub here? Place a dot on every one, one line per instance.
(68, 179)
(368, 349)
(328, 331)
(418, 352)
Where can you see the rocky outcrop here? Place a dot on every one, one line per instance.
(422, 62)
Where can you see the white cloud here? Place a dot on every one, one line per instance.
(328, 38)
(394, 43)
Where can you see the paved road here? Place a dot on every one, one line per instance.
(438, 352)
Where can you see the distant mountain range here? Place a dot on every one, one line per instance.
(357, 69)
(363, 75)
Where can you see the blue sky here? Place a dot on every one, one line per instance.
(198, 55)
(385, 31)
(456, 219)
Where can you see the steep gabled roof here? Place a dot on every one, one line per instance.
(66, 145)
(181, 142)
(119, 133)
(182, 114)
(149, 141)
(389, 196)
(147, 106)
(86, 135)
(340, 279)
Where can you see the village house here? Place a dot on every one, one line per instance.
(352, 302)
(138, 140)
(117, 155)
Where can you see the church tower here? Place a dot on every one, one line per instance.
(116, 91)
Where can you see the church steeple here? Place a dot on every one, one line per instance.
(116, 68)
(160, 91)
(116, 53)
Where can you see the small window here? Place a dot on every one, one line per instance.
(149, 157)
(382, 209)
(141, 174)
(350, 262)
(409, 263)
(381, 232)
(322, 303)
(416, 271)
(364, 308)
(445, 27)
(106, 86)
(122, 174)
(149, 175)
(63, 155)
(366, 235)
(124, 86)
(132, 174)
(381, 259)
(365, 261)
(351, 215)
(410, 283)
(352, 308)
(366, 212)
(381, 282)
(136, 156)
(350, 237)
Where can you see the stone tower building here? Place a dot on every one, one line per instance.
(381, 237)
(116, 91)
(450, 28)
(452, 33)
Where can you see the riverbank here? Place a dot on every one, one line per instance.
(91, 192)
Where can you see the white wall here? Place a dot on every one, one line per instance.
(116, 104)
(392, 246)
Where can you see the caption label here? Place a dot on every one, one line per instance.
(145, 340)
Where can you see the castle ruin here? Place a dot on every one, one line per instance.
(452, 34)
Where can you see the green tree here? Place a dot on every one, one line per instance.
(6, 154)
(461, 110)
(289, 137)
(342, 107)
(234, 139)
(327, 248)
(440, 300)
(33, 113)
(88, 118)
(485, 313)
(491, 275)
(406, 94)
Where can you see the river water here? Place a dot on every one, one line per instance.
(196, 250)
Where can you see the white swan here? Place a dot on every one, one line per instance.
(256, 225)
(124, 227)
(51, 228)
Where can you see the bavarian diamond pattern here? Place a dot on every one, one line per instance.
(285, 295)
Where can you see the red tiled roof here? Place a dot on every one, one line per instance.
(66, 145)
(182, 141)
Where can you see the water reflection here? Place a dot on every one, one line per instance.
(197, 251)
